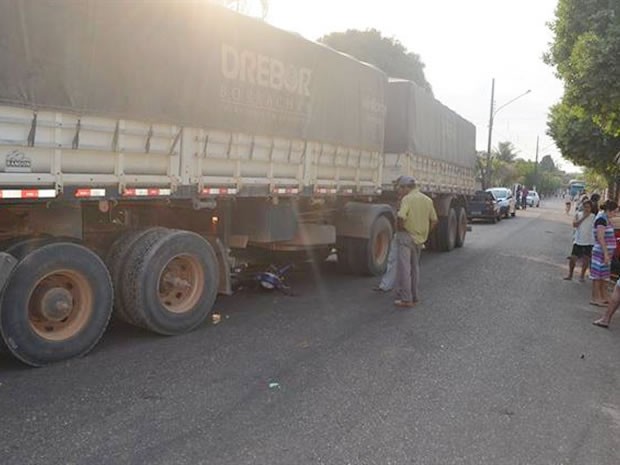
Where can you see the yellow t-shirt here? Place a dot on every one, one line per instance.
(417, 212)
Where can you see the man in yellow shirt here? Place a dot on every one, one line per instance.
(416, 218)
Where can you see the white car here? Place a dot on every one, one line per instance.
(505, 200)
(533, 199)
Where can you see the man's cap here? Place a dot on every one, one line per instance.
(406, 181)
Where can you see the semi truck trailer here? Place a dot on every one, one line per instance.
(149, 148)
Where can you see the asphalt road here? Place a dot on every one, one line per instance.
(499, 364)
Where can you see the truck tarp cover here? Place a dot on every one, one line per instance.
(419, 124)
(187, 63)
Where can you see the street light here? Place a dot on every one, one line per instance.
(492, 114)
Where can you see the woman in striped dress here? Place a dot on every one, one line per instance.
(602, 252)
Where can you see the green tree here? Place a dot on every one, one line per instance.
(547, 164)
(481, 165)
(505, 152)
(586, 55)
(526, 172)
(503, 169)
(594, 180)
(386, 53)
(548, 183)
(584, 142)
(504, 173)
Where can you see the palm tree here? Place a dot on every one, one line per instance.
(506, 151)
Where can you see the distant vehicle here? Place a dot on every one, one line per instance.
(576, 187)
(484, 206)
(533, 199)
(505, 199)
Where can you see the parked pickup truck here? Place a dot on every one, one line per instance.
(484, 206)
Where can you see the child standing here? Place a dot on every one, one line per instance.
(582, 242)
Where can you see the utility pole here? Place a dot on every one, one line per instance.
(487, 174)
(536, 165)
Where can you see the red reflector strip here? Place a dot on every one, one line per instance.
(146, 192)
(286, 190)
(219, 191)
(325, 190)
(85, 193)
(347, 191)
(27, 193)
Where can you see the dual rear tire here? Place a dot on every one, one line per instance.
(452, 229)
(59, 297)
(370, 256)
(168, 281)
(461, 215)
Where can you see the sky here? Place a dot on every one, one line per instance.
(464, 44)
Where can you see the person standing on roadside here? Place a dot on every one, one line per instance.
(602, 252)
(583, 241)
(389, 277)
(416, 219)
(579, 206)
(524, 193)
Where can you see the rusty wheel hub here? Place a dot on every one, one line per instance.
(60, 305)
(181, 284)
(56, 304)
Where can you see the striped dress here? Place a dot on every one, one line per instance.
(598, 269)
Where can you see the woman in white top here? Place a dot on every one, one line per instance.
(583, 241)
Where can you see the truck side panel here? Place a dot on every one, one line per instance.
(59, 150)
(417, 123)
(191, 64)
(427, 140)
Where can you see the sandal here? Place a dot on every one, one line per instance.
(567, 278)
(598, 304)
(600, 324)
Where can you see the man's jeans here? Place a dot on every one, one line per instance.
(408, 267)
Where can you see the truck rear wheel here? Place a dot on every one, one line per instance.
(56, 305)
(18, 247)
(170, 281)
(378, 246)
(367, 256)
(5, 275)
(447, 231)
(461, 217)
(116, 260)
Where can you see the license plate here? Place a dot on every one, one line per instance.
(476, 213)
